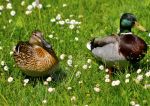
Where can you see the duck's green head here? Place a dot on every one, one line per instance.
(129, 21)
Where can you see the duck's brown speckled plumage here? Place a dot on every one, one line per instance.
(35, 60)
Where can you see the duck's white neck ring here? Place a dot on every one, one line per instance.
(127, 33)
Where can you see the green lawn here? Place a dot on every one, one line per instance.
(98, 18)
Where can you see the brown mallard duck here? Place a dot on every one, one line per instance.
(119, 50)
(35, 57)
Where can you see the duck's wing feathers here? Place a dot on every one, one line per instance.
(23, 54)
(107, 49)
(23, 47)
(51, 51)
(100, 42)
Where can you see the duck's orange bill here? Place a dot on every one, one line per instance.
(140, 27)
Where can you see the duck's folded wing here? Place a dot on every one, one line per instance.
(22, 47)
(100, 42)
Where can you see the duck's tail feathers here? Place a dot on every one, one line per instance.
(88, 45)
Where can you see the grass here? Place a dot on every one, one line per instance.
(100, 18)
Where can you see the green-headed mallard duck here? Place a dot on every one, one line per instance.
(121, 48)
(35, 57)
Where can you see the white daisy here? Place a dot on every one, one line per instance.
(127, 80)
(61, 22)
(40, 6)
(78, 73)
(73, 22)
(12, 13)
(106, 76)
(71, 26)
(50, 36)
(50, 89)
(23, 3)
(11, 52)
(85, 66)
(139, 77)
(58, 17)
(96, 89)
(67, 21)
(10, 79)
(69, 62)
(44, 101)
(69, 88)
(10, 20)
(1, 7)
(49, 79)
(73, 98)
(30, 7)
(90, 66)
(45, 83)
(139, 71)
(71, 15)
(6, 68)
(106, 70)
(127, 75)
(2, 63)
(147, 74)
(53, 20)
(1, 47)
(76, 38)
(115, 83)
(80, 82)
(64, 5)
(26, 81)
(132, 103)
(62, 56)
(137, 105)
(4, 27)
(107, 80)
(9, 6)
(147, 86)
(101, 67)
(89, 61)
(34, 4)
(28, 12)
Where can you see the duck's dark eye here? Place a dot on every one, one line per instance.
(34, 34)
(37, 35)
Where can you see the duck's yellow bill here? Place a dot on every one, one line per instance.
(140, 27)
